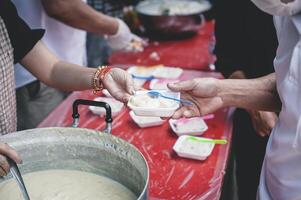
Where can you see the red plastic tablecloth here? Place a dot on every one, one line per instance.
(171, 177)
(191, 53)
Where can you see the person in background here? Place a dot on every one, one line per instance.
(18, 43)
(246, 45)
(279, 91)
(66, 23)
(98, 50)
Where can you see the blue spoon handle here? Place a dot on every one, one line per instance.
(147, 78)
(189, 103)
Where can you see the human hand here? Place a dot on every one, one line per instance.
(7, 151)
(263, 122)
(119, 83)
(203, 92)
(124, 40)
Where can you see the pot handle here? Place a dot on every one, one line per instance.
(203, 19)
(75, 114)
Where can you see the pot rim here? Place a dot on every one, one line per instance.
(140, 5)
(18, 134)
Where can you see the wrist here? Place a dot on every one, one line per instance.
(98, 77)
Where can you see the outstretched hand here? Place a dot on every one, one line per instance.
(203, 92)
(119, 84)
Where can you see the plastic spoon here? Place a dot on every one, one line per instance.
(214, 141)
(147, 78)
(14, 170)
(155, 94)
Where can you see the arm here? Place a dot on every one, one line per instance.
(78, 14)
(263, 121)
(209, 94)
(258, 94)
(69, 77)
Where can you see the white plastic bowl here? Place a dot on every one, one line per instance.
(116, 106)
(188, 147)
(144, 122)
(155, 110)
(188, 126)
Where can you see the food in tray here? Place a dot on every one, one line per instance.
(188, 126)
(116, 106)
(144, 105)
(144, 100)
(168, 72)
(193, 147)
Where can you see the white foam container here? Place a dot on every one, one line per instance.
(141, 71)
(188, 148)
(168, 72)
(195, 126)
(161, 84)
(155, 112)
(106, 93)
(144, 122)
(116, 106)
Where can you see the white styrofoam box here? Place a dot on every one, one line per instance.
(191, 147)
(161, 84)
(144, 122)
(188, 126)
(116, 106)
(168, 72)
(106, 93)
(144, 105)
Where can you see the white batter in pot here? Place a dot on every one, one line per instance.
(66, 185)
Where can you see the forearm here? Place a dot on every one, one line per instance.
(55, 73)
(78, 14)
(255, 94)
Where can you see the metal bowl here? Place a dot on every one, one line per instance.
(84, 150)
(158, 19)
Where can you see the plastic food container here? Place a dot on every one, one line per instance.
(144, 122)
(106, 93)
(188, 126)
(161, 84)
(142, 72)
(116, 106)
(190, 147)
(168, 72)
(143, 105)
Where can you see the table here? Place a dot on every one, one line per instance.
(171, 177)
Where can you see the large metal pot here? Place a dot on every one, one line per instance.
(82, 149)
(159, 21)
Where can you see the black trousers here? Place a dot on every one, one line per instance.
(245, 160)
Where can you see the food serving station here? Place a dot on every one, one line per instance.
(171, 176)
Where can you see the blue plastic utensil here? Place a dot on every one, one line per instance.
(147, 78)
(155, 94)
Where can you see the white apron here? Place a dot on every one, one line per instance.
(66, 42)
(281, 171)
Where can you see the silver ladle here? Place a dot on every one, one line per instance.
(14, 170)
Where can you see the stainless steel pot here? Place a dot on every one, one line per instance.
(82, 149)
(166, 25)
